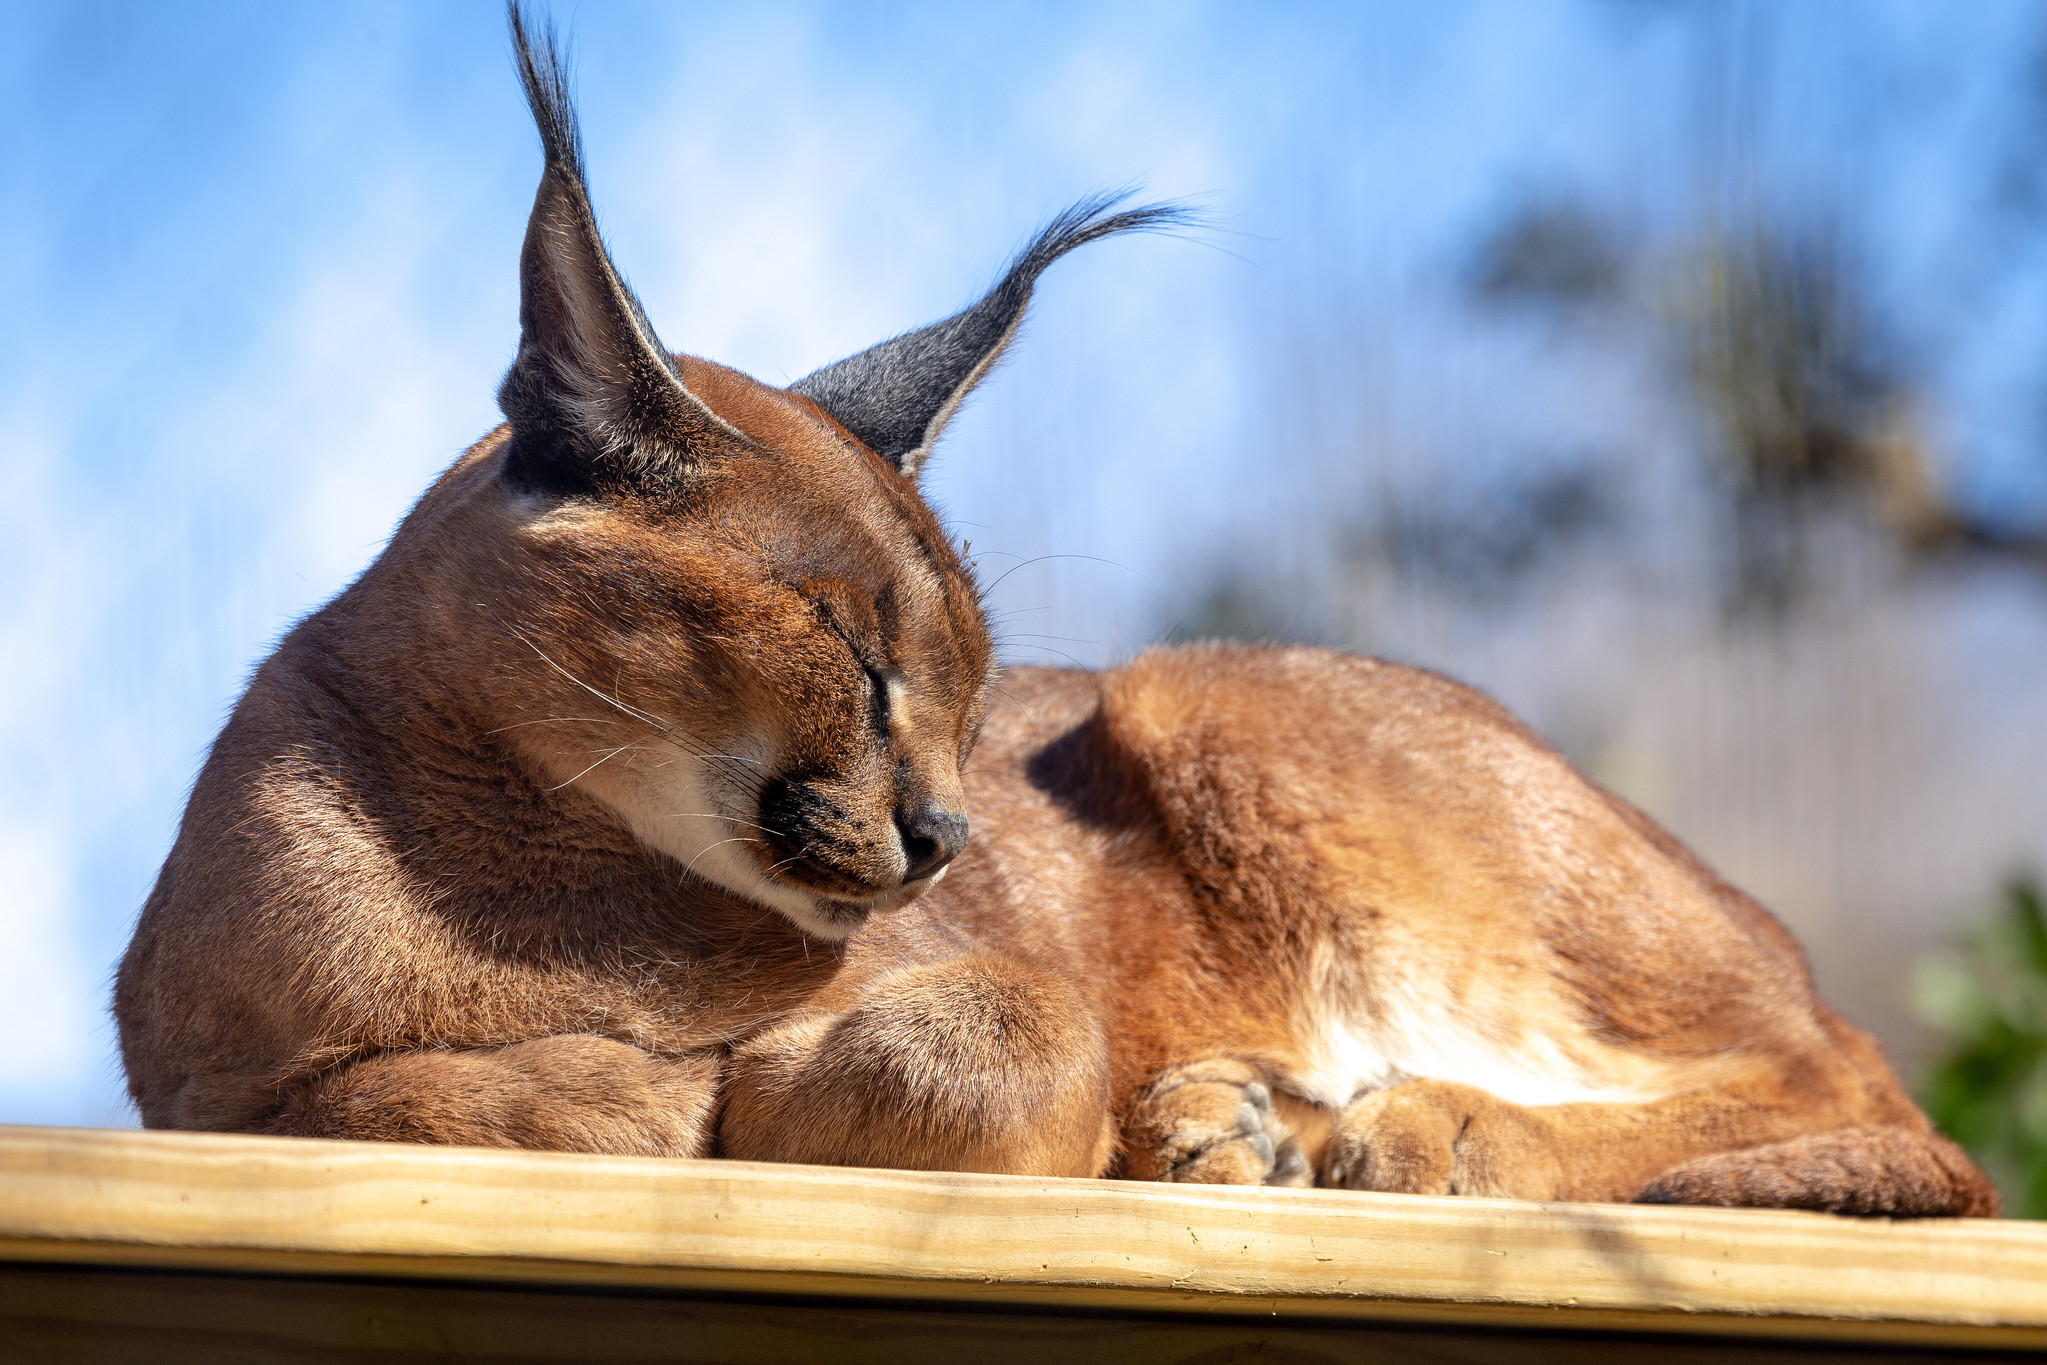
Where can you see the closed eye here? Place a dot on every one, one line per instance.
(877, 698)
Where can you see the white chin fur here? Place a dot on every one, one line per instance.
(850, 916)
(676, 816)
(706, 847)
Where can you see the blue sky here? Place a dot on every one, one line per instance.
(259, 268)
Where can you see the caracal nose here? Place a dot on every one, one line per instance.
(932, 837)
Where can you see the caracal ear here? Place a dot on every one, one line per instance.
(592, 395)
(897, 397)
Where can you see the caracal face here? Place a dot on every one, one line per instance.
(771, 668)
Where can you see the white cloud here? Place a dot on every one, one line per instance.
(47, 991)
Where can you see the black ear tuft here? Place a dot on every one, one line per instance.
(898, 396)
(543, 73)
(592, 395)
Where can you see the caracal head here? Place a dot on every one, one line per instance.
(720, 608)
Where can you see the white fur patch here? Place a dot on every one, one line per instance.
(1352, 1041)
(680, 804)
(898, 698)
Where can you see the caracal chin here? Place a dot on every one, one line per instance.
(623, 805)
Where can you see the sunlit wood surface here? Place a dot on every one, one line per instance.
(164, 1246)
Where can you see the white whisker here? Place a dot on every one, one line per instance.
(735, 839)
(552, 720)
(637, 714)
(715, 815)
(791, 858)
(593, 767)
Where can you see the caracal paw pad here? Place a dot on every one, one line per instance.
(1437, 1137)
(1212, 1123)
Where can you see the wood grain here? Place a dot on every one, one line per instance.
(276, 1206)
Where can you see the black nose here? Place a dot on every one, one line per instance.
(932, 837)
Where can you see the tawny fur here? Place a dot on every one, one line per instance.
(587, 820)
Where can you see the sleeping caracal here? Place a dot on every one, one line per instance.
(622, 804)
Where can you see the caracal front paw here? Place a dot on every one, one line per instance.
(1212, 1123)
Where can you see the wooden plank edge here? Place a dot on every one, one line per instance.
(253, 1205)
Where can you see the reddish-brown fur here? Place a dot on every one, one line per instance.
(1228, 913)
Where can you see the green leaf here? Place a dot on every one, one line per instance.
(1989, 1092)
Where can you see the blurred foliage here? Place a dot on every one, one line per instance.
(1485, 545)
(1811, 411)
(1552, 252)
(1494, 536)
(1816, 413)
(1233, 606)
(1990, 1092)
(1781, 354)
(1812, 423)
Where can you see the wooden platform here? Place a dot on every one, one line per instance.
(158, 1246)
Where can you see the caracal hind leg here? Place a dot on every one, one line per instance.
(1882, 1169)
(1727, 1146)
(1442, 1137)
(570, 1093)
(1212, 1123)
(976, 1064)
(1438, 1137)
